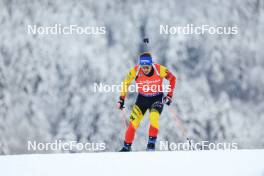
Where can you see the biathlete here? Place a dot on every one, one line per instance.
(149, 77)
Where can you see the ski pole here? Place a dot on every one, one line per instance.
(180, 126)
(123, 118)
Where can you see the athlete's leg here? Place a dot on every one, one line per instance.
(134, 121)
(155, 112)
(136, 116)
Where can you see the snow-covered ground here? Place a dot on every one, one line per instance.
(213, 163)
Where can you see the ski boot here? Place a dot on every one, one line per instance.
(151, 143)
(126, 148)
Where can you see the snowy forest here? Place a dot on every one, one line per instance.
(46, 81)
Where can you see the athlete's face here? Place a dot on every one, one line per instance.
(146, 69)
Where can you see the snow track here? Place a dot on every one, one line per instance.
(213, 163)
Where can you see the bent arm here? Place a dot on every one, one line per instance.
(126, 82)
(165, 73)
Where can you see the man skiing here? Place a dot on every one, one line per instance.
(148, 77)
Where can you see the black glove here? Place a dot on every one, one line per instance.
(167, 100)
(120, 103)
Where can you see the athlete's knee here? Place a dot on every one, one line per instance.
(158, 106)
(136, 116)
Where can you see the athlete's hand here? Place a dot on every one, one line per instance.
(167, 100)
(120, 103)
